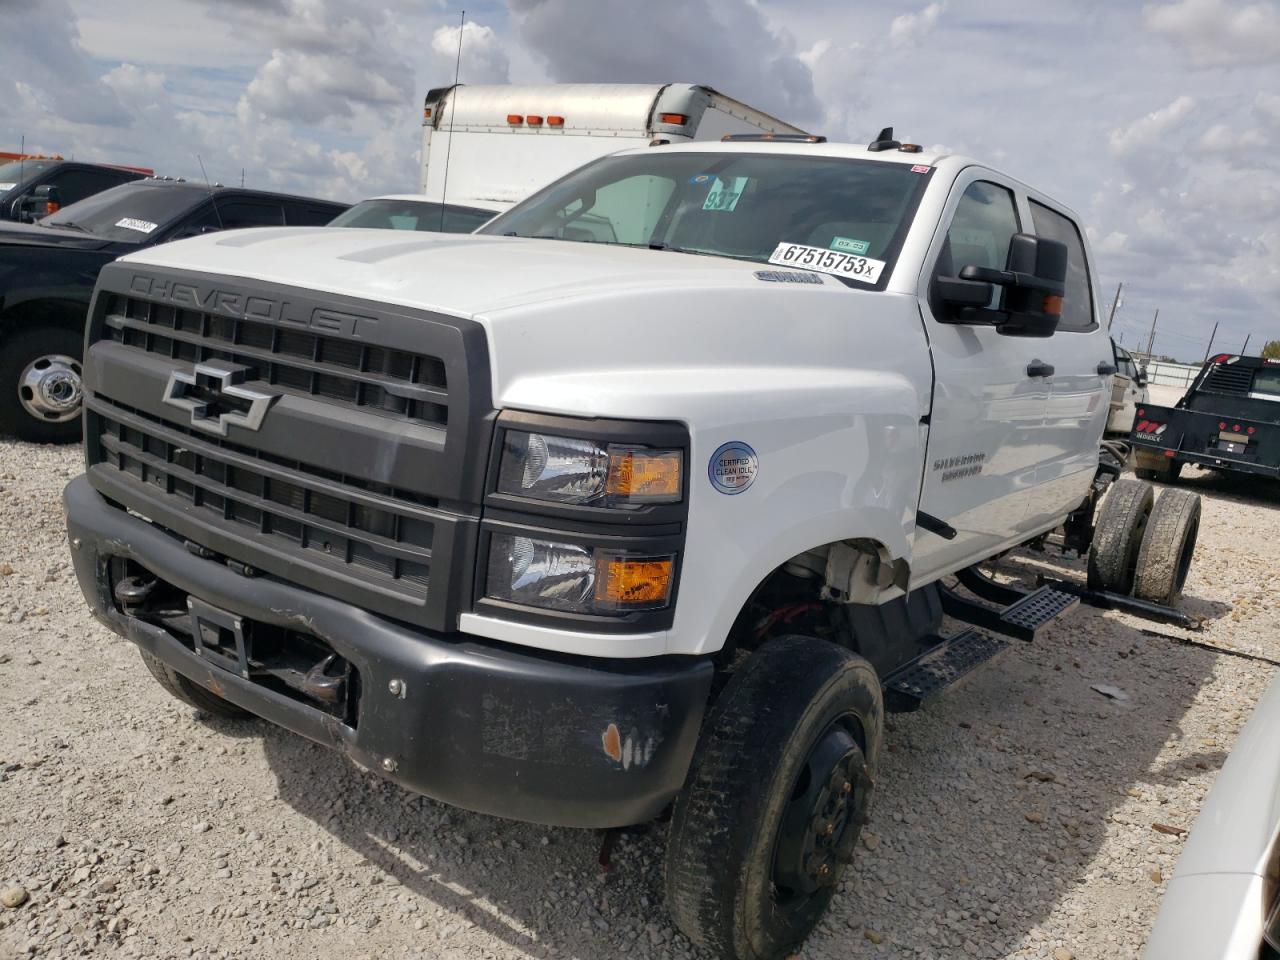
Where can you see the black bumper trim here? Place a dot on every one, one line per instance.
(533, 736)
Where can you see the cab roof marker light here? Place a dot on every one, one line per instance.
(554, 121)
(772, 138)
(533, 120)
(515, 119)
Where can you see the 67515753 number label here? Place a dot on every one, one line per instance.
(862, 269)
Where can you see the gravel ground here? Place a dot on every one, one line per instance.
(1014, 816)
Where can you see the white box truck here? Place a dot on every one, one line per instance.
(501, 142)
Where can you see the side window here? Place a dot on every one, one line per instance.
(309, 215)
(74, 185)
(985, 221)
(1077, 304)
(250, 213)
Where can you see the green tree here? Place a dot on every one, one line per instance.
(1271, 349)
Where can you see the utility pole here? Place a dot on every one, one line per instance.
(1114, 303)
(1211, 338)
(1151, 340)
(1246, 345)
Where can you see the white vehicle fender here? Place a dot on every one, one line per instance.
(838, 455)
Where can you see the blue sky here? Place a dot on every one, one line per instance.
(1159, 122)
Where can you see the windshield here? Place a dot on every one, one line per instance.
(799, 210)
(131, 212)
(12, 174)
(412, 215)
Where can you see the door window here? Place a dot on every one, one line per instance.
(1077, 302)
(982, 227)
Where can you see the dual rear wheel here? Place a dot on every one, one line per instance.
(1143, 545)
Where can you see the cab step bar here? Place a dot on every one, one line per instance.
(919, 680)
(1021, 614)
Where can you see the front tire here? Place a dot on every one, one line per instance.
(40, 385)
(190, 693)
(776, 798)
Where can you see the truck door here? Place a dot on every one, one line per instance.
(989, 396)
(1080, 388)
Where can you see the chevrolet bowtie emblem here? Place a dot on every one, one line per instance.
(213, 395)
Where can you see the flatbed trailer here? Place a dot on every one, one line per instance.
(1229, 419)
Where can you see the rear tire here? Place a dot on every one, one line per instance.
(40, 384)
(1117, 536)
(1167, 547)
(766, 824)
(192, 694)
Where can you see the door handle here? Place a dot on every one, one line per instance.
(1106, 369)
(1038, 368)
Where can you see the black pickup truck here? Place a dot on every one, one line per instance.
(30, 188)
(48, 270)
(1229, 419)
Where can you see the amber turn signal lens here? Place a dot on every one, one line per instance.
(629, 584)
(678, 119)
(644, 475)
(1053, 305)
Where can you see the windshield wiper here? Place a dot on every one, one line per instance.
(661, 245)
(65, 223)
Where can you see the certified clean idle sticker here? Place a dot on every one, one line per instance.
(130, 223)
(733, 467)
(862, 269)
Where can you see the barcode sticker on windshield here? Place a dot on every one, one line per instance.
(862, 269)
(142, 226)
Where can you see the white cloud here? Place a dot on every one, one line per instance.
(484, 58)
(1221, 138)
(1217, 33)
(727, 44)
(1268, 104)
(1147, 130)
(911, 28)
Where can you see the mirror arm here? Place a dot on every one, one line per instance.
(1012, 278)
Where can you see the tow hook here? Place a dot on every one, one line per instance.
(132, 592)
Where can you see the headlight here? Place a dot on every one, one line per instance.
(575, 578)
(583, 472)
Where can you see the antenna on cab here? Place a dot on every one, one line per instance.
(453, 109)
(212, 199)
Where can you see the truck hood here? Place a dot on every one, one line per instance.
(592, 329)
(30, 235)
(457, 274)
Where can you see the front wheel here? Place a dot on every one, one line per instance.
(776, 798)
(40, 386)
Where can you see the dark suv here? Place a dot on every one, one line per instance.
(31, 188)
(48, 269)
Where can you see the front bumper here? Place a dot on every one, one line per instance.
(568, 741)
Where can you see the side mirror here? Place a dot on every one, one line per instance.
(1032, 283)
(1141, 379)
(42, 202)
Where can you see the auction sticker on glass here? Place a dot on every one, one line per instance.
(862, 269)
(132, 223)
(733, 467)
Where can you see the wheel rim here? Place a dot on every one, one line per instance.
(822, 817)
(50, 388)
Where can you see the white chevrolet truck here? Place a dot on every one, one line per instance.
(648, 499)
